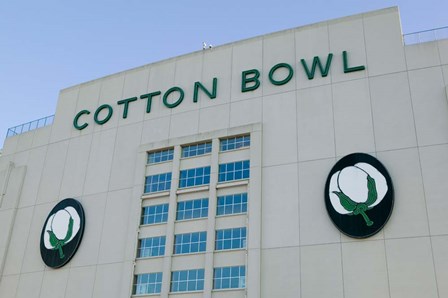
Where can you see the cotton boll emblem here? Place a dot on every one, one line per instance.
(61, 228)
(356, 189)
(359, 195)
(62, 233)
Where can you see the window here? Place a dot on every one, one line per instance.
(230, 239)
(197, 149)
(154, 214)
(229, 277)
(190, 242)
(158, 182)
(235, 143)
(194, 177)
(234, 171)
(192, 209)
(151, 247)
(187, 280)
(232, 204)
(148, 283)
(160, 156)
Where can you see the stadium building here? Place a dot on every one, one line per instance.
(229, 172)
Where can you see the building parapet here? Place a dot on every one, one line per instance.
(22, 128)
(426, 36)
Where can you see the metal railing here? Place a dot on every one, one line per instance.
(425, 36)
(16, 130)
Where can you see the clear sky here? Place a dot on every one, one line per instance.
(48, 45)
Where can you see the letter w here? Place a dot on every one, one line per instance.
(316, 61)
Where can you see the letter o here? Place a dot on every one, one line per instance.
(177, 102)
(98, 111)
(285, 80)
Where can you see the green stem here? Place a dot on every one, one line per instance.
(61, 253)
(366, 218)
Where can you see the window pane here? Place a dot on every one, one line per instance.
(229, 277)
(154, 214)
(197, 149)
(194, 177)
(234, 171)
(187, 280)
(158, 182)
(232, 204)
(192, 209)
(151, 247)
(234, 143)
(160, 156)
(230, 239)
(190, 242)
(148, 283)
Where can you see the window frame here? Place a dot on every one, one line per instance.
(221, 278)
(202, 209)
(157, 284)
(234, 140)
(194, 150)
(230, 168)
(163, 214)
(237, 242)
(232, 205)
(199, 282)
(167, 183)
(206, 172)
(169, 154)
(160, 248)
(180, 241)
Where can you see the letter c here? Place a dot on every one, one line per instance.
(75, 121)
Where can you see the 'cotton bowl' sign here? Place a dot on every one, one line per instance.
(359, 195)
(62, 233)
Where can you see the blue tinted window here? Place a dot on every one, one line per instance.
(194, 177)
(187, 280)
(158, 182)
(190, 242)
(232, 204)
(234, 171)
(192, 209)
(160, 156)
(148, 283)
(154, 214)
(229, 277)
(230, 239)
(197, 149)
(235, 143)
(151, 247)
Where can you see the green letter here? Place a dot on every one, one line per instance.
(149, 96)
(316, 61)
(98, 111)
(198, 85)
(350, 69)
(75, 121)
(285, 80)
(177, 102)
(126, 105)
(254, 79)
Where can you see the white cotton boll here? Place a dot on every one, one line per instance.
(60, 224)
(353, 182)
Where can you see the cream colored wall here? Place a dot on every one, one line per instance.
(396, 110)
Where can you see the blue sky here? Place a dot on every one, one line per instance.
(46, 46)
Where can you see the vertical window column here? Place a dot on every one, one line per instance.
(208, 285)
(170, 224)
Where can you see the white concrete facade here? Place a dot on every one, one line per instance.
(396, 109)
